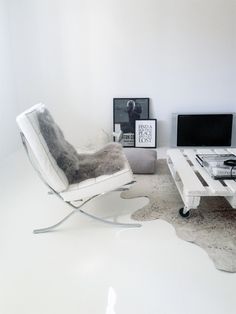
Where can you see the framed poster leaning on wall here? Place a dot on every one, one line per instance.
(125, 112)
(145, 135)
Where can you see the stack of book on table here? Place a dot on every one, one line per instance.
(214, 164)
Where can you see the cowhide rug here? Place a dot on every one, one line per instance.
(212, 226)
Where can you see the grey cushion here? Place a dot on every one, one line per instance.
(141, 160)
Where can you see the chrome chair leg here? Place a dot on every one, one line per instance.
(122, 224)
(78, 209)
(50, 228)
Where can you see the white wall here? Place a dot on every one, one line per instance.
(8, 108)
(51, 60)
(77, 55)
(180, 53)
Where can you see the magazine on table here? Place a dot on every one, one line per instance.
(214, 160)
(214, 164)
(221, 172)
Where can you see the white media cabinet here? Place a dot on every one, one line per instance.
(193, 181)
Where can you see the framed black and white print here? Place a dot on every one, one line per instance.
(145, 133)
(125, 112)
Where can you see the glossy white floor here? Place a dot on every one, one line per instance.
(89, 267)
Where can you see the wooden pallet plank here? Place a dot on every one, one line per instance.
(191, 183)
(221, 151)
(231, 184)
(232, 150)
(215, 186)
(204, 151)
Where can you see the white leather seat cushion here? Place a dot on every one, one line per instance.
(47, 166)
(98, 185)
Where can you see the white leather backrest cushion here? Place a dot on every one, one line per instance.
(47, 166)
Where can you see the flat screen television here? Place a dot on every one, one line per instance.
(203, 130)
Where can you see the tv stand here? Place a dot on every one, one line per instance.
(194, 182)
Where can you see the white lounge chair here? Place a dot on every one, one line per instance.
(73, 194)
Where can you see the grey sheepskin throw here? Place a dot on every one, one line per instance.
(107, 160)
(78, 167)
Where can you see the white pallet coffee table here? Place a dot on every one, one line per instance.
(193, 181)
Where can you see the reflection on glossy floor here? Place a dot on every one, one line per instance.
(89, 267)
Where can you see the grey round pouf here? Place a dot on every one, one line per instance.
(141, 160)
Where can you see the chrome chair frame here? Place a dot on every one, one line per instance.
(75, 209)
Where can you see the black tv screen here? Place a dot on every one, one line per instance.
(204, 130)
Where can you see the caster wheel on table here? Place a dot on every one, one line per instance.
(182, 214)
